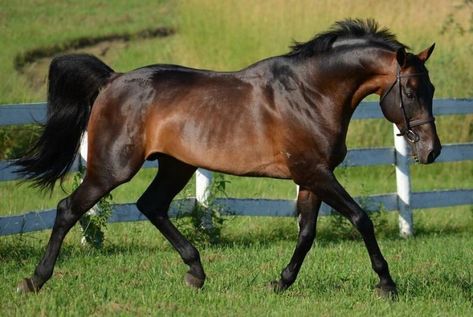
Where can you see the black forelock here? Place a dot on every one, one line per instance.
(347, 29)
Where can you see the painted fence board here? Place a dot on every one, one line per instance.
(6, 171)
(456, 152)
(355, 157)
(373, 156)
(41, 220)
(452, 106)
(31, 221)
(128, 212)
(22, 113)
(34, 221)
(33, 112)
(442, 198)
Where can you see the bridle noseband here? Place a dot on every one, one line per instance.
(408, 124)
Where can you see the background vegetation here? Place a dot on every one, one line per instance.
(138, 272)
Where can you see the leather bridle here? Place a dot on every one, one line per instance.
(408, 124)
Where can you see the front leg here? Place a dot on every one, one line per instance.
(324, 184)
(308, 205)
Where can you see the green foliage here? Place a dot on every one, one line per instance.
(16, 140)
(94, 222)
(203, 225)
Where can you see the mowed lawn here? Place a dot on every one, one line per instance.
(138, 273)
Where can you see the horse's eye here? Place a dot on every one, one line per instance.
(410, 95)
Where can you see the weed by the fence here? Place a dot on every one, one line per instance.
(341, 227)
(203, 225)
(94, 222)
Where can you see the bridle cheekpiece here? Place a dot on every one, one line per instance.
(408, 124)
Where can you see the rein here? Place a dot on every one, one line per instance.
(408, 124)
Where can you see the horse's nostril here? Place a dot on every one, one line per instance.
(433, 155)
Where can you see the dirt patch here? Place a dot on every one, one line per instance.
(34, 64)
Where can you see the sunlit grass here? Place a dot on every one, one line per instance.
(238, 33)
(138, 273)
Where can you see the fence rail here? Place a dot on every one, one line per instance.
(403, 201)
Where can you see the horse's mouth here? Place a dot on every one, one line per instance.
(416, 158)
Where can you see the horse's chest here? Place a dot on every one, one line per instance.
(338, 154)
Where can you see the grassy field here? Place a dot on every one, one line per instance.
(137, 272)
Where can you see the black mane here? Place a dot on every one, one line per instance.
(347, 29)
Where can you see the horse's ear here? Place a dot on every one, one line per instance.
(425, 54)
(401, 56)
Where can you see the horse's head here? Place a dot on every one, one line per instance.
(407, 102)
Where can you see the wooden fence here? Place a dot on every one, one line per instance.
(403, 201)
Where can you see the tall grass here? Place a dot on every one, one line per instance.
(225, 35)
(237, 33)
(25, 25)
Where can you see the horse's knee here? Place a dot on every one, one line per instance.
(149, 208)
(363, 223)
(152, 206)
(64, 215)
(143, 205)
(63, 205)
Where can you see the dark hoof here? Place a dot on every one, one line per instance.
(193, 281)
(27, 286)
(277, 286)
(386, 291)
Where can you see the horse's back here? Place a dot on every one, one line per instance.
(219, 121)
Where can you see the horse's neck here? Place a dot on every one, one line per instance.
(347, 80)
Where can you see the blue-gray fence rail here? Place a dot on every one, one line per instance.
(403, 201)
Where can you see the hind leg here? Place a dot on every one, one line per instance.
(69, 210)
(102, 176)
(172, 176)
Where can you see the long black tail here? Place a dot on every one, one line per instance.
(74, 82)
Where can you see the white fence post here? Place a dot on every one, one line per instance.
(203, 180)
(403, 184)
(83, 147)
(83, 157)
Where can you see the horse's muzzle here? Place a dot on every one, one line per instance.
(433, 154)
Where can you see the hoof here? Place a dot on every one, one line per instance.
(277, 286)
(193, 281)
(386, 291)
(26, 286)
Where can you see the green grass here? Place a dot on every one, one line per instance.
(224, 36)
(137, 273)
(51, 22)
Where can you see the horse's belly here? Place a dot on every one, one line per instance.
(238, 162)
(234, 159)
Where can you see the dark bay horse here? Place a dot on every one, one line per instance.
(283, 117)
